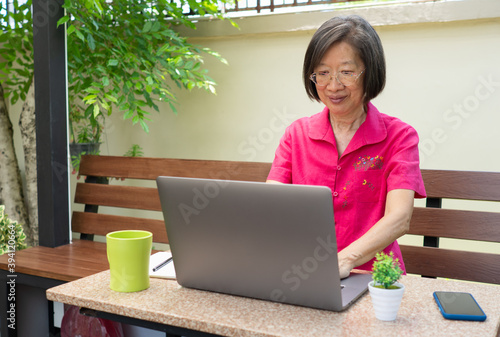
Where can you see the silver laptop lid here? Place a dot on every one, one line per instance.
(267, 241)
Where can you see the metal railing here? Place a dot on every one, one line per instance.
(271, 5)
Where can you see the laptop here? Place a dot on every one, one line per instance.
(272, 242)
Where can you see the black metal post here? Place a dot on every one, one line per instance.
(49, 45)
(431, 241)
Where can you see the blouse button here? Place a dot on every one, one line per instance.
(338, 167)
(335, 194)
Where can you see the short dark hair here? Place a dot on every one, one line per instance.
(358, 33)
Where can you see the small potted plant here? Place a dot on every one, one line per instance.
(12, 236)
(385, 291)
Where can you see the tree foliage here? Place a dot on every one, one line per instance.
(16, 49)
(12, 237)
(122, 54)
(126, 55)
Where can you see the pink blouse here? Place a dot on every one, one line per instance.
(382, 156)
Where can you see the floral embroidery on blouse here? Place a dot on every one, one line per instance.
(368, 163)
(344, 190)
(369, 184)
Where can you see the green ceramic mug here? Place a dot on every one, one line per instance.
(128, 256)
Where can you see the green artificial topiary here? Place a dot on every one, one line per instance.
(386, 271)
(12, 236)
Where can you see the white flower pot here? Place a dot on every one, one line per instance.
(386, 302)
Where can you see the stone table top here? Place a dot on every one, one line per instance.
(167, 302)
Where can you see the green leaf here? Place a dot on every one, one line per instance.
(147, 27)
(156, 26)
(172, 107)
(128, 113)
(91, 42)
(112, 63)
(62, 20)
(92, 90)
(124, 107)
(105, 105)
(4, 37)
(71, 29)
(80, 35)
(88, 111)
(89, 97)
(111, 98)
(144, 126)
(97, 111)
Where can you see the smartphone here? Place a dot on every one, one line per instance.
(459, 306)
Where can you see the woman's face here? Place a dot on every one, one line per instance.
(342, 100)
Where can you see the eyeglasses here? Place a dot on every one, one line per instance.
(346, 78)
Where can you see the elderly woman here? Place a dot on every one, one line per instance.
(368, 159)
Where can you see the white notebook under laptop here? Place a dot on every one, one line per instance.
(272, 242)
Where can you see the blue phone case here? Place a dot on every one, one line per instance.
(463, 317)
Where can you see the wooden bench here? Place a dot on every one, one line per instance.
(435, 221)
(44, 267)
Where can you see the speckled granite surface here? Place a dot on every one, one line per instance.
(167, 302)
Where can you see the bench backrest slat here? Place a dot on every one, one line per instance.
(145, 198)
(102, 224)
(151, 168)
(455, 264)
(456, 224)
(469, 185)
